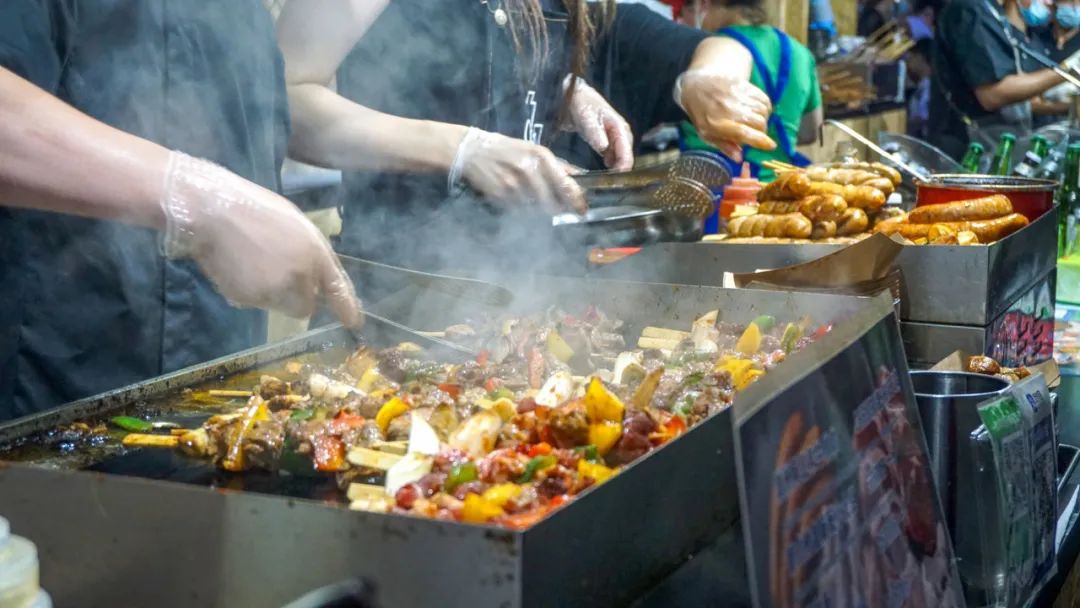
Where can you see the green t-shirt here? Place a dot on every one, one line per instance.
(802, 95)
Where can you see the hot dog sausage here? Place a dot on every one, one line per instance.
(788, 186)
(778, 207)
(863, 197)
(987, 231)
(854, 221)
(823, 230)
(790, 225)
(985, 208)
(847, 176)
(823, 208)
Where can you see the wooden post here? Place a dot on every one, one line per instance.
(846, 14)
(791, 16)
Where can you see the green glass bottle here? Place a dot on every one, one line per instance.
(1002, 163)
(1068, 202)
(973, 157)
(1034, 157)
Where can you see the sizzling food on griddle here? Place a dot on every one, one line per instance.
(553, 405)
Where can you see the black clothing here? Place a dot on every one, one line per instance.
(636, 62)
(971, 49)
(870, 20)
(97, 307)
(456, 65)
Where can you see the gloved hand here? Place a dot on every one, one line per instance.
(256, 247)
(604, 129)
(514, 172)
(728, 112)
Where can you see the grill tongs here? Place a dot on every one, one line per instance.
(460, 287)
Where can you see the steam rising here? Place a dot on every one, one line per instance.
(429, 68)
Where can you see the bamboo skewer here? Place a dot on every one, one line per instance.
(229, 394)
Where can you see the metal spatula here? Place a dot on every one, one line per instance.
(460, 287)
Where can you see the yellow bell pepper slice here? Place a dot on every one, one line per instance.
(501, 494)
(477, 510)
(558, 347)
(368, 380)
(748, 378)
(597, 471)
(750, 342)
(504, 407)
(601, 405)
(604, 435)
(390, 410)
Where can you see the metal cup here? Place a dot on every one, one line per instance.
(947, 404)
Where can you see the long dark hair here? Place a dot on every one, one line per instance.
(529, 32)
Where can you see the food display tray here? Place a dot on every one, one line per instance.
(111, 539)
(950, 285)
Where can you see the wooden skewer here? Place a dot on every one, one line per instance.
(899, 51)
(230, 394)
(139, 440)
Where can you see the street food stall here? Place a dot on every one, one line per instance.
(833, 389)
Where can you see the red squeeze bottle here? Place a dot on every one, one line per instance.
(741, 191)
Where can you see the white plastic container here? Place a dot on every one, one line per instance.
(18, 571)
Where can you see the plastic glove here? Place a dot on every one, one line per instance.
(604, 129)
(728, 112)
(256, 247)
(514, 172)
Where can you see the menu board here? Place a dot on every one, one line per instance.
(838, 505)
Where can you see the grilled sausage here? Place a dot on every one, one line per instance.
(863, 197)
(778, 207)
(854, 221)
(886, 214)
(788, 186)
(985, 208)
(823, 230)
(987, 231)
(883, 170)
(848, 176)
(790, 225)
(823, 208)
(904, 229)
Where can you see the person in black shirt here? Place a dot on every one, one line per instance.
(1063, 33)
(410, 124)
(983, 80)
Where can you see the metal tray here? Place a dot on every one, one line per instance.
(115, 540)
(947, 285)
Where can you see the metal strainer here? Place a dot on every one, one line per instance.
(683, 196)
(703, 167)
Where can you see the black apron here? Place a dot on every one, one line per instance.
(456, 65)
(97, 307)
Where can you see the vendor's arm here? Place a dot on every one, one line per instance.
(814, 114)
(331, 131)
(256, 247)
(716, 93)
(1049, 107)
(810, 126)
(641, 57)
(1016, 88)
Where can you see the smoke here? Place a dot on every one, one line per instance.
(455, 65)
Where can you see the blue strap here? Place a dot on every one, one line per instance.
(774, 89)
